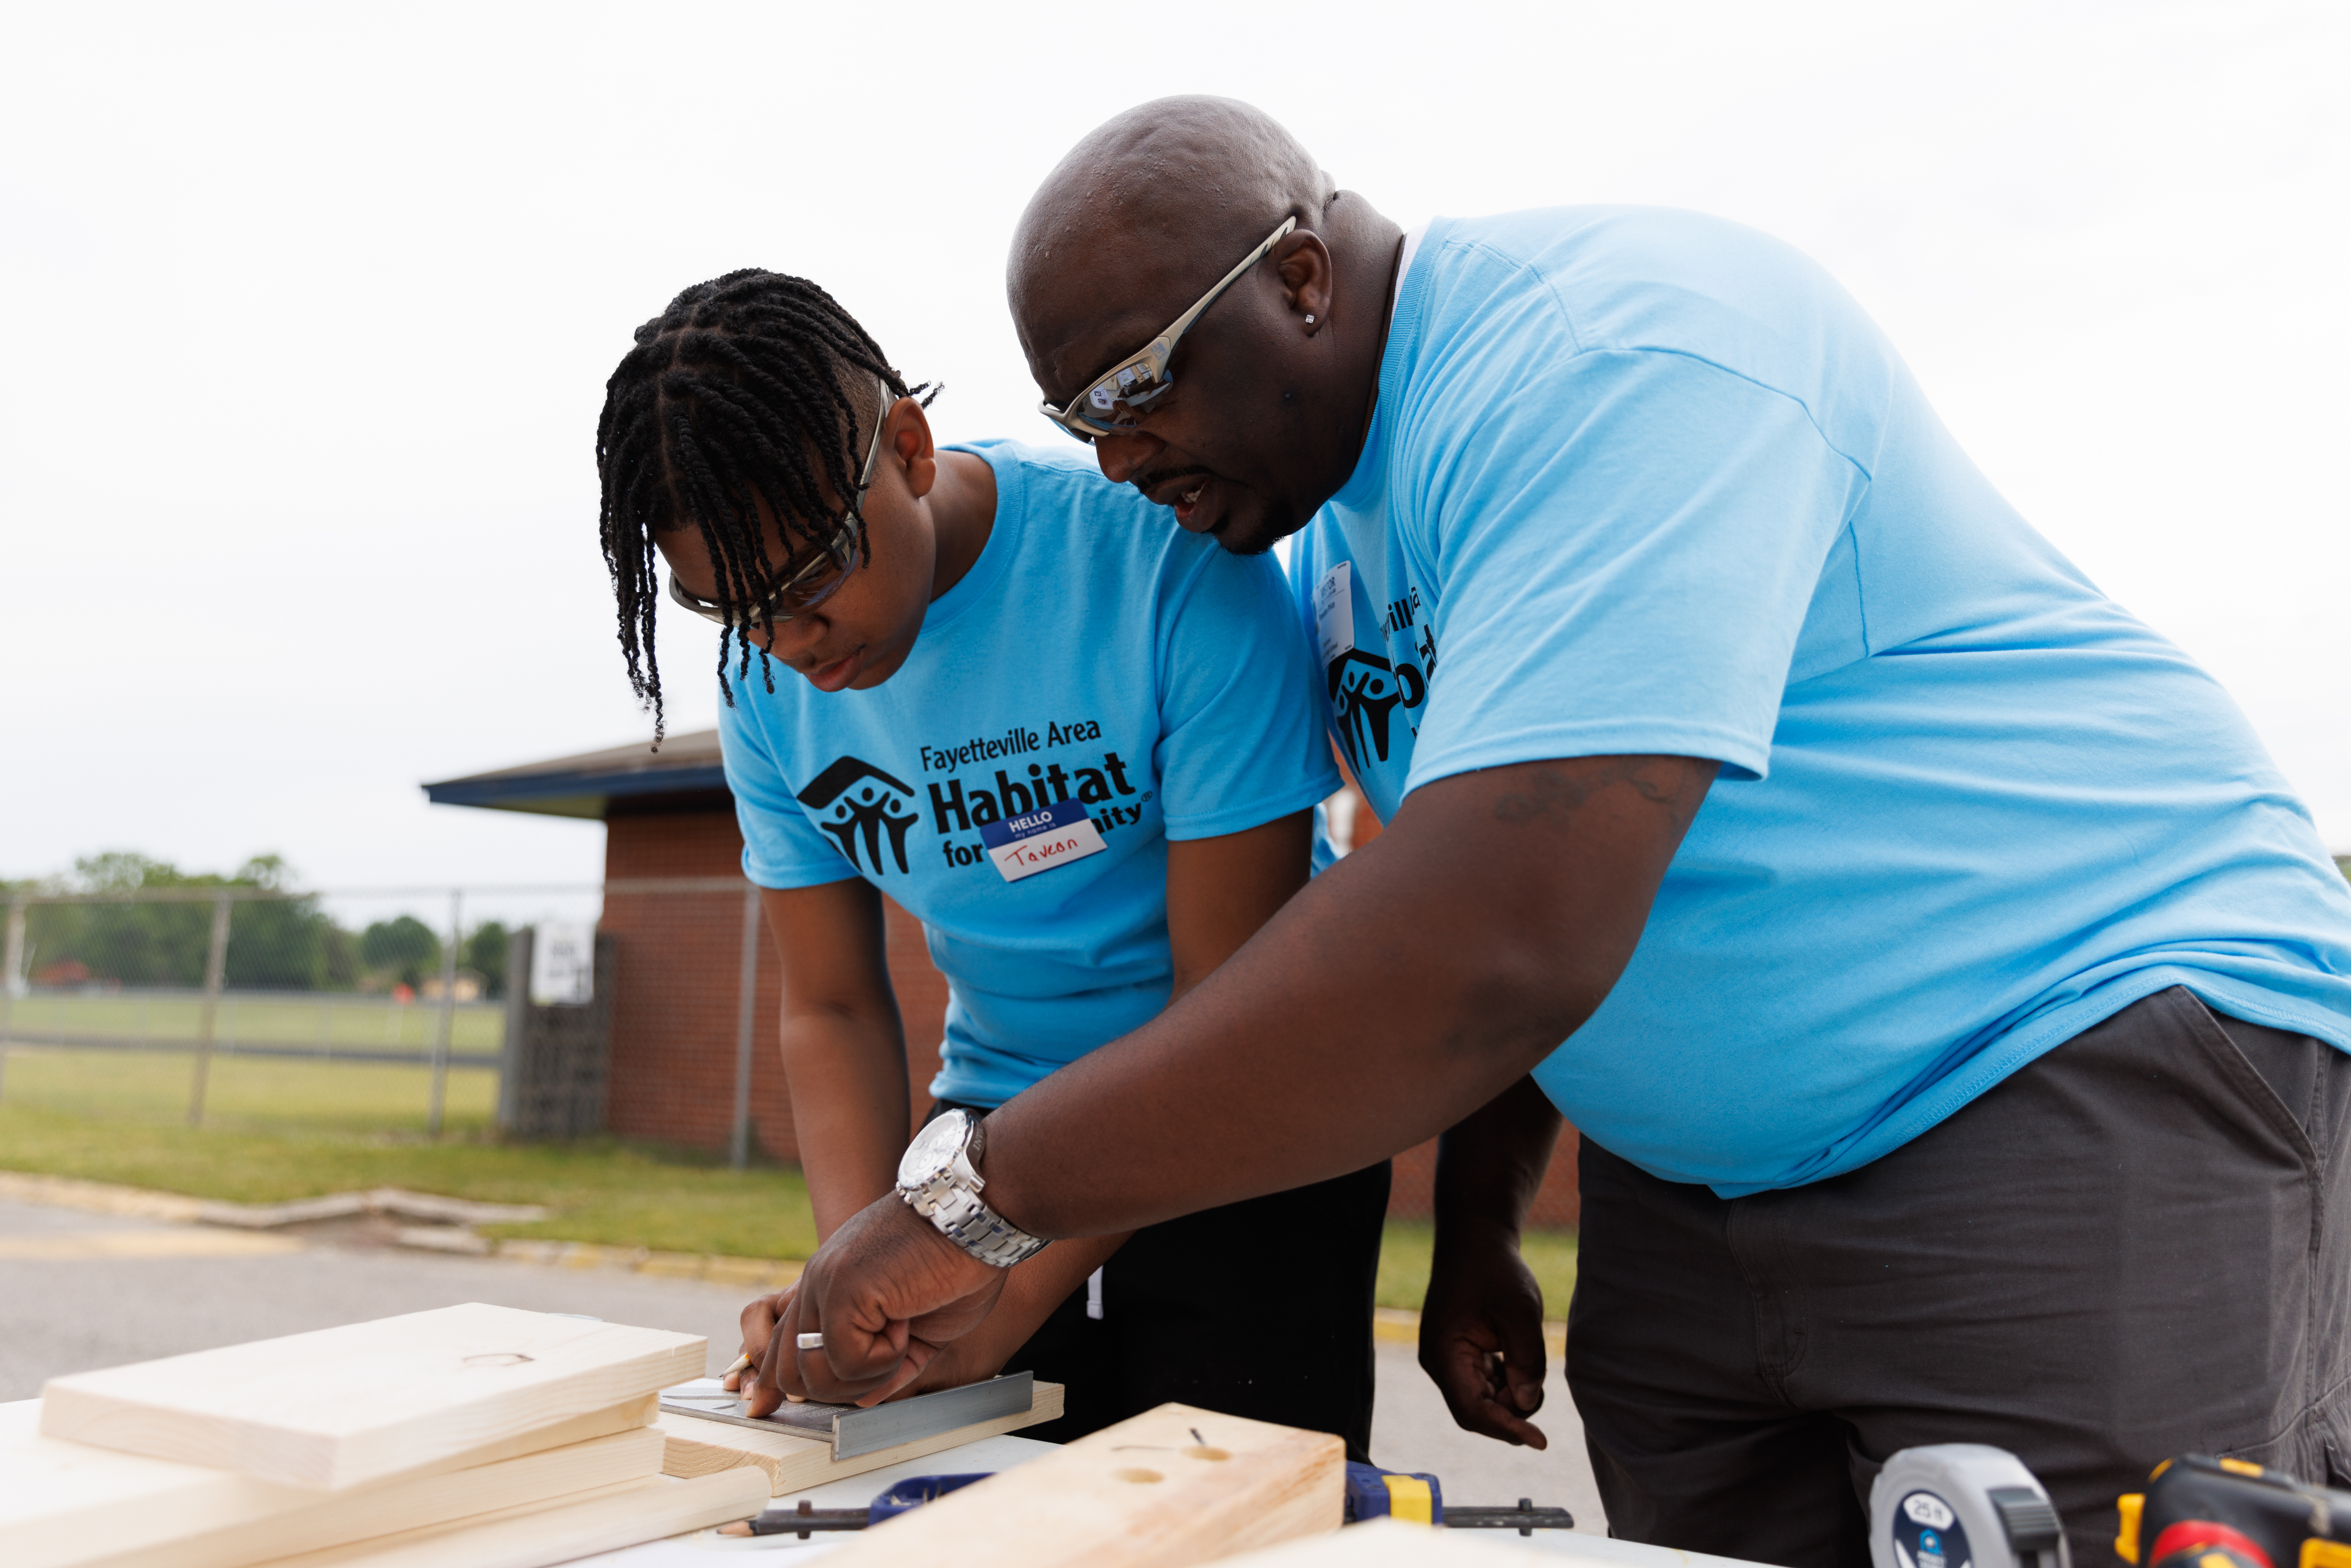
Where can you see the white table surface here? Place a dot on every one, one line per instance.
(696, 1550)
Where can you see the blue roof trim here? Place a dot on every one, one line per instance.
(573, 785)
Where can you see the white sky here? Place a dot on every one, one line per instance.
(310, 307)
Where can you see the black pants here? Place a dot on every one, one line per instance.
(2136, 1246)
(1260, 1309)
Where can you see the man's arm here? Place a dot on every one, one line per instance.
(1481, 1326)
(1219, 892)
(1398, 993)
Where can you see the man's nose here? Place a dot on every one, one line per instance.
(1124, 456)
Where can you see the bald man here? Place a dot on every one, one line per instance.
(1950, 991)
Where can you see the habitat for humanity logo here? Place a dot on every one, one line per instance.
(865, 814)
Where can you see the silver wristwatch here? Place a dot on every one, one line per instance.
(936, 1179)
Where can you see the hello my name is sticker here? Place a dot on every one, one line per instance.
(1040, 841)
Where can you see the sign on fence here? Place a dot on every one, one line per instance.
(563, 963)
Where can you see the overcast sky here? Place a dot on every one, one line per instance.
(310, 309)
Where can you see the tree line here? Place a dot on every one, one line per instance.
(277, 944)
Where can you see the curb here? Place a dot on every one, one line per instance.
(451, 1233)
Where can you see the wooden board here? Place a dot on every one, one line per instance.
(345, 1406)
(67, 1505)
(1170, 1488)
(793, 1463)
(603, 1521)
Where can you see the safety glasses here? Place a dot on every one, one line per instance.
(820, 577)
(1109, 405)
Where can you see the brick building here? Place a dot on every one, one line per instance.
(668, 817)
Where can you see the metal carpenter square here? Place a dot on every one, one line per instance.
(856, 1432)
(853, 1431)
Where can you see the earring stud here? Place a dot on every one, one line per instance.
(1310, 318)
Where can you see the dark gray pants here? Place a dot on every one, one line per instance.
(2137, 1246)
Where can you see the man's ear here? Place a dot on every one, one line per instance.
(906, 431)
(1304, 263)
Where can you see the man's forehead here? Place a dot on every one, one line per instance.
(1090, 295)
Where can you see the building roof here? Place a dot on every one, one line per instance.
(685, 772)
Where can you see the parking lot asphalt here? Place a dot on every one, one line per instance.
(80, 1291)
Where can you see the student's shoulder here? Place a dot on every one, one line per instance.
(1057, 484)
(1061, 496)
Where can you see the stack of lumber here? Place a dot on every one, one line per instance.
(473, 1437)
(795, 1461)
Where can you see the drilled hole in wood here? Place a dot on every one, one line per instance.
(1139, 1476)
(1202, 1451)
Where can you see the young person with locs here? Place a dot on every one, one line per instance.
(1077, 744)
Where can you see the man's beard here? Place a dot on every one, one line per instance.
(1275, 521)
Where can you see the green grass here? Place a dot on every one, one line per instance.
(325, 1019)
(279, 1129)
(248, 1094)
(620, 1194)
(1405, 1255)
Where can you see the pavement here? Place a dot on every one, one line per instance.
(81, 1290)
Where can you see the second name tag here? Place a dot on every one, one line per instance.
(1040, 841)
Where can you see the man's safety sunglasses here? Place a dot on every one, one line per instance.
(1109, 405)
(818, 578)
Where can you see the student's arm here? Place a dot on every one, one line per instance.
(844, 1048)
(844, 1053)
(1481, 1327)
(1219, 891)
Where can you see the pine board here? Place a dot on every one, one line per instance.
(67, 1505)
(792, 1463)
(341, 1406)
(1144, 1493)
(603, 1521)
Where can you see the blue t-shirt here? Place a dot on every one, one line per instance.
(1092, 654)
(1646, 481)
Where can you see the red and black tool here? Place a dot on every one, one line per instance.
(2202, 1513)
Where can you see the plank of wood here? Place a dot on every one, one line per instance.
(602, 1521)
(792, 1463)
(1169, 1487)
(341, 1406)
(67, 1505)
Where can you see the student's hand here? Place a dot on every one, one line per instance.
(758, 1321)
(887, 1291)
(1481, 1336)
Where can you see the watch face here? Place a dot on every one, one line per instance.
(933, 1149)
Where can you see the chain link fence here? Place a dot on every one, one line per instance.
(403, 1012)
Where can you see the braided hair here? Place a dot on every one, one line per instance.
(750, 390)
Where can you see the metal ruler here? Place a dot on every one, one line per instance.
(853, 1431)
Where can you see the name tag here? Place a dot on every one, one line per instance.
(1334, 613)
(1040, 841)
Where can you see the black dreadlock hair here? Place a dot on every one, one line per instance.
(749, 389)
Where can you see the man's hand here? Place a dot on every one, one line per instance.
(887, 1293)
(1481, 1337)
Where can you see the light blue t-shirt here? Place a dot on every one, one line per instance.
(1095, 655)
(1646, 481)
